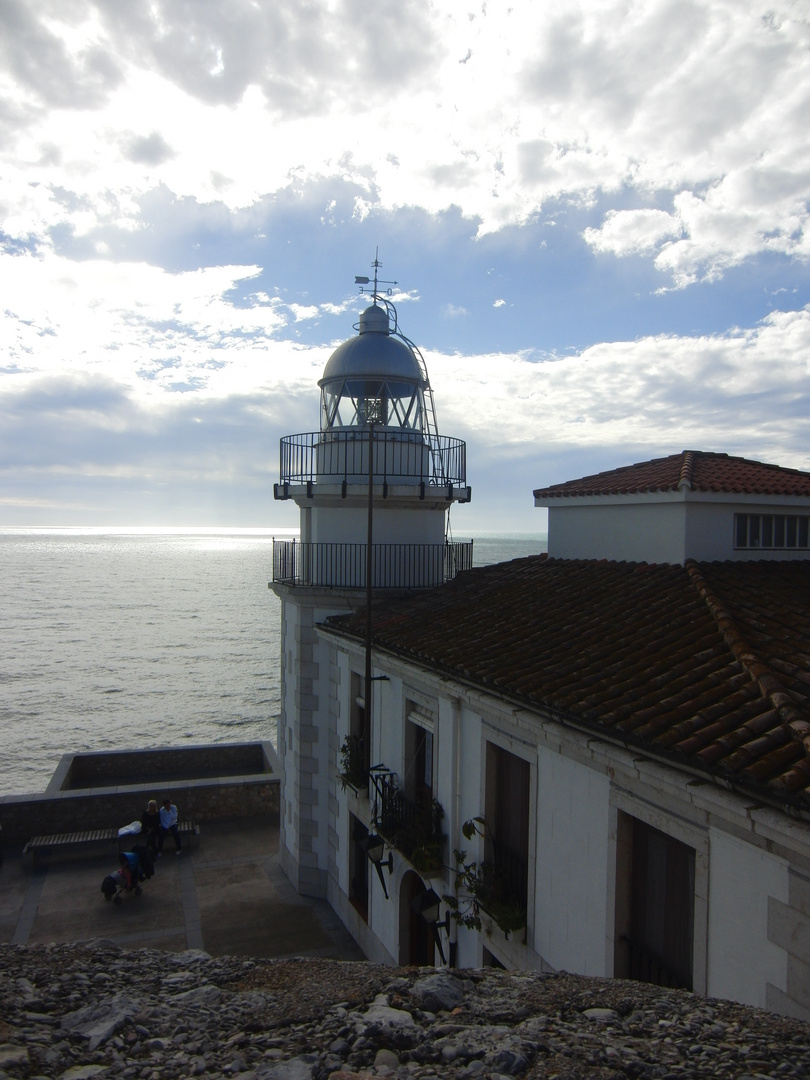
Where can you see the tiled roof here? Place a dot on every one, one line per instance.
(695, 470)
(708, 664)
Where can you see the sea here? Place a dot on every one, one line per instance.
(121, 638)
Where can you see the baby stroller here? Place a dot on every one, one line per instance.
(136, 866)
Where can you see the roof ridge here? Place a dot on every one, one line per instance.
(770, 685)
(687, 464)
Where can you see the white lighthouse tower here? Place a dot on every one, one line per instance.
(373, 485)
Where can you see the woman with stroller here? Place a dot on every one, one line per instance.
(131, 865)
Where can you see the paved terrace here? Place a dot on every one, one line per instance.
(228, 896)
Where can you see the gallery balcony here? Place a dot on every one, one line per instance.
(430, 464)
(394, 566)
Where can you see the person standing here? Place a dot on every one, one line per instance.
(168, 824)
(150, 826)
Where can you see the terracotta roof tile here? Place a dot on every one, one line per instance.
(696, 470)
(707, 664)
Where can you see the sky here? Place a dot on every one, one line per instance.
(595, 213)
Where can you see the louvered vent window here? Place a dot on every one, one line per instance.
(771, 531)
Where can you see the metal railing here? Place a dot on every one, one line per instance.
(646, 966)
(403, 456)
(414, 828)
(394, 566)
(510, 876)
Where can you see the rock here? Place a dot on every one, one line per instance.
(436, 993)
(13, 1055)
(299, 1068)
(605, 1016)
(190, 1015)
(101, 1020)
(395, 1025)
(199, 995)
(385, 1058)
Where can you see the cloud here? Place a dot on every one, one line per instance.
(743, 392)
(154, 331)
(633, 232)
(147, 149)
(51, 67)
(182, 185)
(697, 105)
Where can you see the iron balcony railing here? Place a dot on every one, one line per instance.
(394, 566)
(399, 456)
(413, 828)
(510, 876)
(646, 966)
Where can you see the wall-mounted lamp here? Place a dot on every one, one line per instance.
(375, 846)
(427, 904)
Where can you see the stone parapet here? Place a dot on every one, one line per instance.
(103, 804)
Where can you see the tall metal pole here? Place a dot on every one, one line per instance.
(369, 579)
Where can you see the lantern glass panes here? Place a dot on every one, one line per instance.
(360, 402)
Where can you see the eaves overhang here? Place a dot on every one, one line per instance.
(671, 497)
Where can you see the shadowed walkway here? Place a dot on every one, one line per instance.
(229, 896)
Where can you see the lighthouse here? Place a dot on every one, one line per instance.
(374, 485)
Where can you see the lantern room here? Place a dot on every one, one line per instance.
(374, 378)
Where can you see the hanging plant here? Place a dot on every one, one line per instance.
(480, 888)
(352, 774)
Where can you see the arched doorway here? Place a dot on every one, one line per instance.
(415, 936)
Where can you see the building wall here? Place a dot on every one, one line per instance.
(572, 865)
(751, 937)
(665, 528)
(348, 524)
(304, 740)
(743, 883)
(643, 532)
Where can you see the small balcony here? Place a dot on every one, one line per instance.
(401, 457)
(394, 566)
(508, 886)
(413, 828)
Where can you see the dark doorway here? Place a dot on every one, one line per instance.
(507, 817)
(415, 936)
(358, 867)
(655, 906)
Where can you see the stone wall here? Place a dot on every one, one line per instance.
(163, 764)
(101, 807)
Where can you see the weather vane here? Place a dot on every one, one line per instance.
(362, 281)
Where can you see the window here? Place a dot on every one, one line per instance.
(418, 763)
(771, 531)
(358, 866)
(359, 742)
(507, 817)
(655, 903)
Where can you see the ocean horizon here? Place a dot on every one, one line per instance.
(121, 637)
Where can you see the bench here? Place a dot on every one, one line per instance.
(39, 844)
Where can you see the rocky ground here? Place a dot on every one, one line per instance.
(92, 1010)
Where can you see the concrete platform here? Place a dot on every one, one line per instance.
(229, 896)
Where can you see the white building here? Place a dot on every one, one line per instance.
(632, 737)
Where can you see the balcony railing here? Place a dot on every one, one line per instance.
(646, 966)
(413, 828)
(401, 457)
(510, 876)
(394, 566)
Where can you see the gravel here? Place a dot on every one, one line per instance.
(92, 1010)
